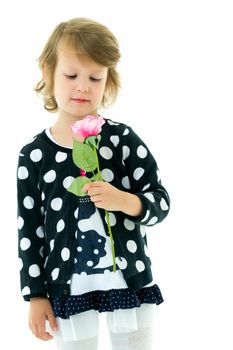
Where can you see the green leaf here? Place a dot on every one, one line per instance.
(77, 186)
(84, 156)
(91, 140)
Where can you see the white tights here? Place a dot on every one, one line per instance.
(141, 339)
(138, 340)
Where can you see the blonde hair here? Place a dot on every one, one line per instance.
(86, 37)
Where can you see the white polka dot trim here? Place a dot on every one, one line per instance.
(60, 157)
(129, 225)
(125, 182)
(163, 204)
(36, 155)
(137, 174)
(140, 266)
(25, 291)
(20, 222)
(22, 173)
(40, 232)
(115, 140)
(25, 243)
(65, 254)
(131, 246)
(121, 263)
(60, 225)
(55, 273)
(50, 176)
(150, 197)
(106, 152)
(56, 204)
(152, 221)
(142, 152)
(125, 152)
(34, 270)
(107, 175)
(28, 202)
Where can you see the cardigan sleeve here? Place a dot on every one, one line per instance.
(30, 229)
(143, 179)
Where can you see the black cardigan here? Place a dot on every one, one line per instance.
(44, 170)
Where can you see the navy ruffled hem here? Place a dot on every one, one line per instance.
(103, 301)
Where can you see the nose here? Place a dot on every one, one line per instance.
(82, 85)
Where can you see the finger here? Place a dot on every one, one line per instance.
(53, 323)
(41, 332)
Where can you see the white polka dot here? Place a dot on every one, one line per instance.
(110, 122)
(79, 249)
(150, 197)
(42, 211)
(126, 132)
(46, 260)
(138, 173)
(107, 175)
(125, 152)
(28, 202)
(76, 213)
(152, 221)
(42, 196)
(146, 187)
(56, 203)
(96, 251)
(26, 291)
(50, 176)
(20, 264)
(22, 173)
(121, 263)
(40, 232)
(55, 273)
(60, 157)
(68, 181)
(143, 230)
(34, 270)
(146, 250)
(51, 243)
(129, 225)
(125, 182)
(163, 204)
(25, 243)
(65, 254)
(60, 225)
(20, 222)
(115, 139)
(83, 237)
(90, 263)
(142, 152)
(106, 152)
(36, 155)
(140, 266)
(41, 251)
(112, 219)
(131, 246)
(146, 216)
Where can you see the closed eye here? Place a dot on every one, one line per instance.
(94, 79)
(73, 76)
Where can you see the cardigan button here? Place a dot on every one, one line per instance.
(65, 292)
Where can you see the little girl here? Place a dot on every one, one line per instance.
(67, 266)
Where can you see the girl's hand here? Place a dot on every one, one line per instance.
(106, 196)
(40, 311)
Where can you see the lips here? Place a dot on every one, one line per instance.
(79, 100)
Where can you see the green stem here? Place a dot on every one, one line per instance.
(111, 239)
(107, 217)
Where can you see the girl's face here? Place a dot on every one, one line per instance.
(79, 84)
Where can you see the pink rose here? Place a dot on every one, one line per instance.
(88, 126)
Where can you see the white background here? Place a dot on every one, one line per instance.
(177, 75)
